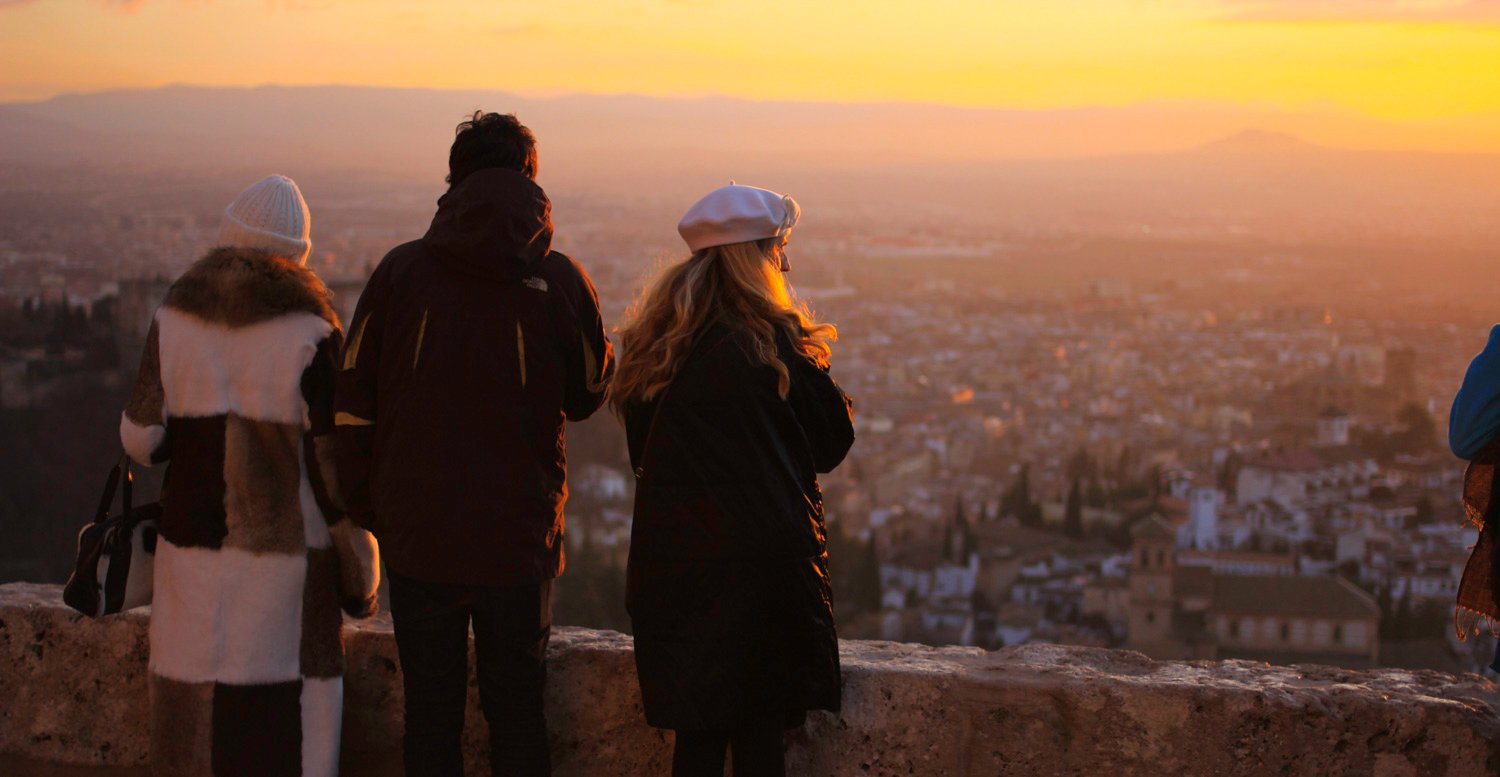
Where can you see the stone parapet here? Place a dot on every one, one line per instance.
(73, 694)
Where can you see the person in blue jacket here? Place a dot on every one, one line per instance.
(1475, 417)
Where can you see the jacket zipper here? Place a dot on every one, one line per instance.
(521, 352)
(421, 333)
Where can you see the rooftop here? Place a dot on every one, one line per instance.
(1291, 596)
(1153, 527)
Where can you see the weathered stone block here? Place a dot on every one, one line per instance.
(73, 693)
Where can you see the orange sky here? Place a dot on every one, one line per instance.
(1417, 61)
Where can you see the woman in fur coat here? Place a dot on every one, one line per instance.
(255, 560)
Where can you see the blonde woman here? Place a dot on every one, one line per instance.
(730, 414)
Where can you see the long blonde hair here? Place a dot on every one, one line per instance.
(737, 285)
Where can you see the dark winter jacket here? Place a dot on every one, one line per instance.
(1475, 415)
(728, 587)
(469, 349)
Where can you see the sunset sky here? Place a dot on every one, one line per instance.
(1395, 60)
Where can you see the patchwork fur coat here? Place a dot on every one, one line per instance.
(255, 559)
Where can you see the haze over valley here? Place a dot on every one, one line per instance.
(1058, 326)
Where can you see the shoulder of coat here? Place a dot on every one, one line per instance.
(238, 287)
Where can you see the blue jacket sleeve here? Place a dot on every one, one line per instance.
(1475, 416)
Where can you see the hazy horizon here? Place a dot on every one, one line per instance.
(1145, 126)
(1227, 173)
(1426, 67)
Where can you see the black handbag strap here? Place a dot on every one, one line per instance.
(120, 471)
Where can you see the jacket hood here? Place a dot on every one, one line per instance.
(239, 287)
(495, 224)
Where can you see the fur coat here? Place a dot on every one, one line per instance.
(255, 559)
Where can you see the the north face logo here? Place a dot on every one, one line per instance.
(536, 283)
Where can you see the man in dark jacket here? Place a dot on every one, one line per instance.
(468, 351)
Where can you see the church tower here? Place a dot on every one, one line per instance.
(1154, 561)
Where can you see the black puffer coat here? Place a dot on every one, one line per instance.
(728, 587)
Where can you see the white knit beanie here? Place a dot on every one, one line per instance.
(270, 215)
(737, 214)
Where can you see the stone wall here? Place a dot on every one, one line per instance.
(73, 693)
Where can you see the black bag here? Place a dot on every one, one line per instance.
(115, 553)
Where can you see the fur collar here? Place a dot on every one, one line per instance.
(238, 287)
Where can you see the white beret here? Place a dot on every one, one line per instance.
(737, 214)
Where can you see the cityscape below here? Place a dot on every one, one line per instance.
(1192, 405)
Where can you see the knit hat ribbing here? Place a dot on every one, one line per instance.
(270, 215)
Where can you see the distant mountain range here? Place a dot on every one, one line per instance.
(406, 130)
(1181, 163)
(1254, 141)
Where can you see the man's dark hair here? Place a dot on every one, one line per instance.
(488, 140)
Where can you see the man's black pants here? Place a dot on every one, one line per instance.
(511, 628)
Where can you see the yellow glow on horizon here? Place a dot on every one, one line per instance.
(1041, 55)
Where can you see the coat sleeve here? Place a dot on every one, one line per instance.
(355, 401)
(825, 412)
(359, 567)
(318, 443)
(591, 357)
(1475, 416)
(143, 425)
(358, 555)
